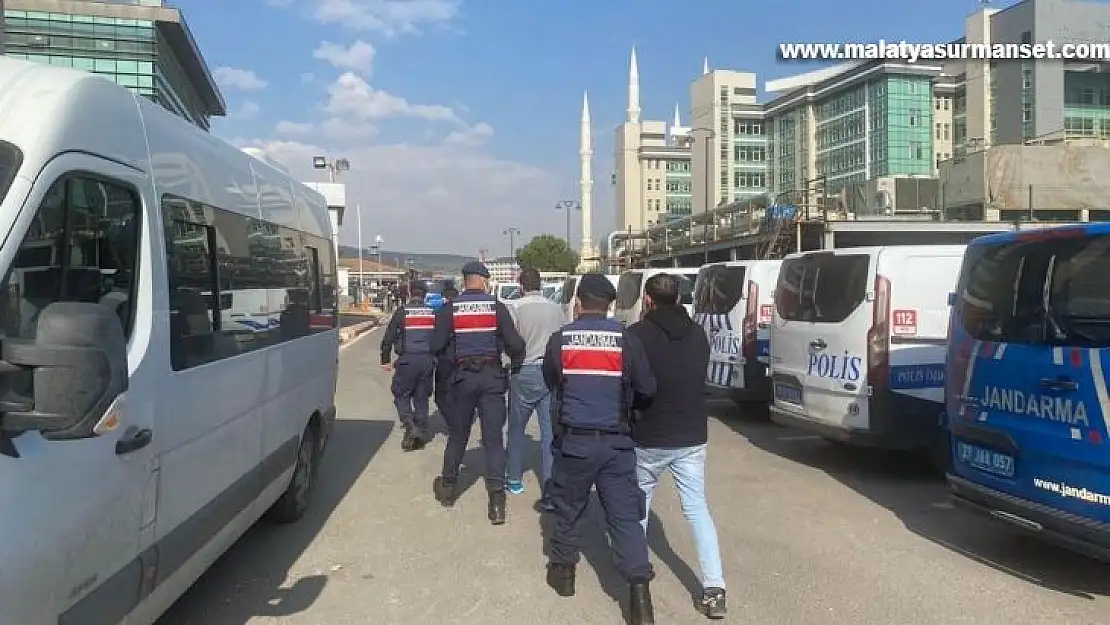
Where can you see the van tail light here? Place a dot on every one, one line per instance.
(751, 320)
(878, 337)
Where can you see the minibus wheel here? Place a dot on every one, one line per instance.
(295, 500)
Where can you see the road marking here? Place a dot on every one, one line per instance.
(799, 438)
(358, 338)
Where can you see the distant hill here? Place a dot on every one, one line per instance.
(443, 263)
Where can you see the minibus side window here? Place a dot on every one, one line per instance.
(81, 246)
(721, 290)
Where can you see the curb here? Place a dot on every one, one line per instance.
(350, 333)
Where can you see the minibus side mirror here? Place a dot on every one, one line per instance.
(951, 299)
(76, 366)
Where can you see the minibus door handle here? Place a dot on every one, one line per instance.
(1059, 384)
(133, 440)
(818, 345)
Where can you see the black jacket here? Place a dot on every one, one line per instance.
(678, 352)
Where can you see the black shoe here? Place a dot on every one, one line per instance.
(445, 491)
(640, 610)
(546, 505)
(407, 440)
(420, 440)
(561, 578)
(712, 603)
(496, 509)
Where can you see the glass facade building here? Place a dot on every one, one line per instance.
(679, 203)
(140, 45)
(868, 122)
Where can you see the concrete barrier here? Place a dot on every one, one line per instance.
(350, 333)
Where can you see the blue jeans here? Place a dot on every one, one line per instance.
(687, 464)
(527, 393)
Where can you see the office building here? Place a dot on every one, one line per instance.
(729, 140)
(651, 171)
(140, 44)
(844, 125)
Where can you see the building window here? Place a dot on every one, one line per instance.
(938, 131)
(1087, 96)
(1027, 36)
(1026, 113)
(947, 132)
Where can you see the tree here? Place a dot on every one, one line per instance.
(548, 253)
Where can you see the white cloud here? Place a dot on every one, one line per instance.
(351, 97)
(285, 127)
(387, 17)
(248, 110)
(241, 79)
(447, 198)
(475, 135)
(358, 57)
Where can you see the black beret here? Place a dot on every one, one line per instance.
(596, 286)
(475, 268)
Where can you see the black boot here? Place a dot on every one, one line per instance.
(561, 578)
(406, 439)
(445, 491)
(420, 438)
(640, 609)
(496, 509)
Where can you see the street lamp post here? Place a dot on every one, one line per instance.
(569, 206)
(511, 232)
(709, 134)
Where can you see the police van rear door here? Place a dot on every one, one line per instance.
(1033, 317)
(719, 309)
(819, 336)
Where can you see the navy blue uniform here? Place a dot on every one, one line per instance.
(409, 333)
(443, 372)
(472, 331)
(596, 371)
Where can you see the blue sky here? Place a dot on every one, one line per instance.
(460, 118)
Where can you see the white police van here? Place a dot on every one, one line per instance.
(630, 291)
(1027, 396)
(138, 440)
(858, 343)
(733, 303)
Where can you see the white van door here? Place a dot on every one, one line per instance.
(819, 338)
(76, 507)
(719, 309)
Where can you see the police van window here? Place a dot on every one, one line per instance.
(81, 246)
(686, 288)
(720, 290)
(628, 290)
(567, 293)
(822, 288)
(1053, 292)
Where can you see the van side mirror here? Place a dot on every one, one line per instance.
(951, 299)
(65, 379)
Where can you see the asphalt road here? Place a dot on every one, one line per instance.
(811, 534)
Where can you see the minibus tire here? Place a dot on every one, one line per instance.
(297, 497)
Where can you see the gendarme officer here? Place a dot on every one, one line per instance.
(596, 371)
(473, 330)
(410, 332)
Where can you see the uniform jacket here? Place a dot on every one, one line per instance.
(409, 330)
(591, 396)
(493, 333)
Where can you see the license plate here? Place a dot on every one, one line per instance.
(985, 459)
(790, 394)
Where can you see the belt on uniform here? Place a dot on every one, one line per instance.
(477, 360)
(595, 432)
